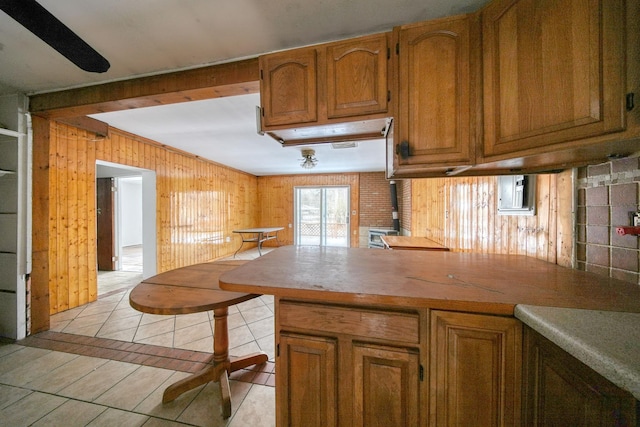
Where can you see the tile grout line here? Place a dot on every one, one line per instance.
(142, 354)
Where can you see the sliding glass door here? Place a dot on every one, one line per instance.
(322, 216)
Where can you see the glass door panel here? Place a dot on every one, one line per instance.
(322, 216)
(308, 216)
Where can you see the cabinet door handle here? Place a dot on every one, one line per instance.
(402, 150)
(630, 104)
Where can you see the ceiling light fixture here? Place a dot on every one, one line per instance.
(341, 145)
(308, 159)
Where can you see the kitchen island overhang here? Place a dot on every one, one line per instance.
(414, 337)
(482, 283)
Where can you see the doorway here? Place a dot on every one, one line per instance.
(321, 216)
(130, 257)
(126, 223)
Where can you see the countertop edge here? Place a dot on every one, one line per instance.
(569, 329)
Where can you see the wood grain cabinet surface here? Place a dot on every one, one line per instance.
(357, 77)
(437, 71)
(380, 367)
(307, 381)
(320, 86)
(561, 390)
(475, 371)
(361, 367)
(519, 86)
(289, 90)
(554, 73)
(386, 385)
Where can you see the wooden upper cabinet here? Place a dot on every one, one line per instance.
(289, 91)
(554, 72)
(357, 77)
(334, 91)
(434, 124)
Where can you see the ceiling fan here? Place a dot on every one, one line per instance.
(35, 18)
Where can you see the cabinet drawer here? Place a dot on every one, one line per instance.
(387, 325)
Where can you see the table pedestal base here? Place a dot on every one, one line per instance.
(220, 366)
(216, 372)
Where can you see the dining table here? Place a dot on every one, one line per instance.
(257, 235)
(194, 289)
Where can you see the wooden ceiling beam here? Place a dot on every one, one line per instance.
(229, 79)
(87, 123)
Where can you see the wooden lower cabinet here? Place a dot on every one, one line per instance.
(347, 366)
(386, 383)
(384, 391)
(475, 370)
(307, 392)
(356, 366)
(559, 390)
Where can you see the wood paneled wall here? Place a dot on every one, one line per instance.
(276, 204)
(405, 204)
(198, 204)
(461, 213)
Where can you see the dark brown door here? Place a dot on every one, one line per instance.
(105, 224)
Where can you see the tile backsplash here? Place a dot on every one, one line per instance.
(608, 195)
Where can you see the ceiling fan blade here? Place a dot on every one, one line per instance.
(47, 27)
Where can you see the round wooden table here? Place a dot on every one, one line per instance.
(193, 289)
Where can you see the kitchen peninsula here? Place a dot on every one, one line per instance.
(411, 337)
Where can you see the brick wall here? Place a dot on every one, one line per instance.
(607, 194)
(375, 200)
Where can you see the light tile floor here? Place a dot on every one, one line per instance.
(132, 258)
(44, 387)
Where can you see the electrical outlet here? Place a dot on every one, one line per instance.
(636, 219)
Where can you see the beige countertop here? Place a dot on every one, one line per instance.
(606, 341)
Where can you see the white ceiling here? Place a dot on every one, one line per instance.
(224, 130)
(146, 37)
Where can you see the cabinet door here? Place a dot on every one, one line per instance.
(306, 381)
(561, 390)
(386, 382)
(357, 77)
(434, 85)
(553, 72)
(288, 88)
(475, 370)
